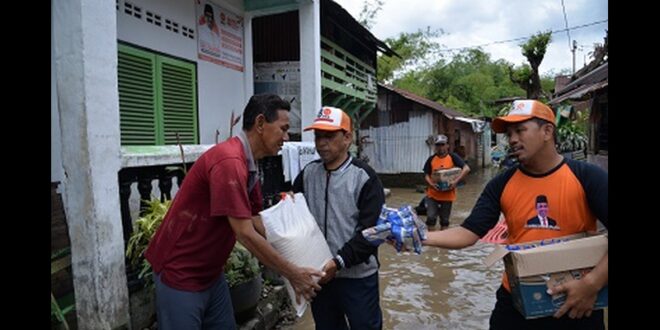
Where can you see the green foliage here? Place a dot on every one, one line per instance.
(370, 9)
(527, 76)
(470, 82)
(414, 81)
(522, 73)
(503, 111)
(571, 137)
(417, 50)
(143, 230)
(534, 49)
(242, 266)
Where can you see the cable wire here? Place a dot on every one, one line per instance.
(522, 38)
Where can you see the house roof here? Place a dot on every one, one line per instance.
(347, 21)
(507, 100)
(578, 92)
(449, 113)
(592, 81)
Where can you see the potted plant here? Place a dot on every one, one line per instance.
(571, 137)
(242, 270)
(243, 276)
(143, 230)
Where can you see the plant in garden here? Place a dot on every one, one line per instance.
(241, 266)
(144, 229)
(571, 137)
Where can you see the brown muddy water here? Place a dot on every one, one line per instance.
(439, 289)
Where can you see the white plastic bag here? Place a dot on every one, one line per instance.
(293, 232)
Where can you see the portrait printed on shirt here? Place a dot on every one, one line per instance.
(542, 220)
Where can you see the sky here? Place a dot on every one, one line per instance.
(476, 22)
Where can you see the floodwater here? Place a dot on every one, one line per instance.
(439, 289)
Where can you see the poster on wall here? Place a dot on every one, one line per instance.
(219, 35)
(283, 79)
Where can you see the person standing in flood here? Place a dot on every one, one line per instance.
(439, 202)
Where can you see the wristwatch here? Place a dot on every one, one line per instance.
(339, 261)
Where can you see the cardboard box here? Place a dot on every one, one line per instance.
(442, 177)
(533, 267)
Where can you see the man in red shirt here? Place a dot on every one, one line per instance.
(217, 204)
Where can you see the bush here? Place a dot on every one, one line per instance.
(143, 231)
(241, 265)
(570, 137)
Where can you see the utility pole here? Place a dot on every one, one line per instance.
(573, 51)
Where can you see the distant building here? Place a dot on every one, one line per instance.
(398, 136)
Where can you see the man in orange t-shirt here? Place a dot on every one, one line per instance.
(524, 193)
(439, 201)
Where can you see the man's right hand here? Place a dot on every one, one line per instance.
(304, 282)
(330, 270)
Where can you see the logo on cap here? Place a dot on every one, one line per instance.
(440, 139)
(522, 110)
(331, 119)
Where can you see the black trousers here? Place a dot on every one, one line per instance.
(437, 208)
(355, 300)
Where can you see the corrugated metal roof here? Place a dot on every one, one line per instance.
(449, 113)
(476, 124)
(507, 99)
(577, 93)
(597, 75)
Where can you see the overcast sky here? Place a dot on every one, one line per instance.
(475, 22)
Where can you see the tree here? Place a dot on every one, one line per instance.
(416, 50)
(470, 82)
(527, 76)
(369, 11)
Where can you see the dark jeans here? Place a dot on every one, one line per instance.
(352, 299)
(435, 208)
(208, 309)
(506, 317)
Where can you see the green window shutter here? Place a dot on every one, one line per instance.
(177, 101)
(137, 96)
(157, 98)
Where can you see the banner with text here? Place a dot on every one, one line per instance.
(219, 35)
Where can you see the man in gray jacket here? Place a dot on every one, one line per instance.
(345, 196)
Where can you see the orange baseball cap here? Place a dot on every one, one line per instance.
(331, 119)
(522, 110)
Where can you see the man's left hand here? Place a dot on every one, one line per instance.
(580, 298)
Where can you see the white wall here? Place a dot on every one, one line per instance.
(400, 147)
(220, 89)
(56, 172)
(310, 64)
(85, 58)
